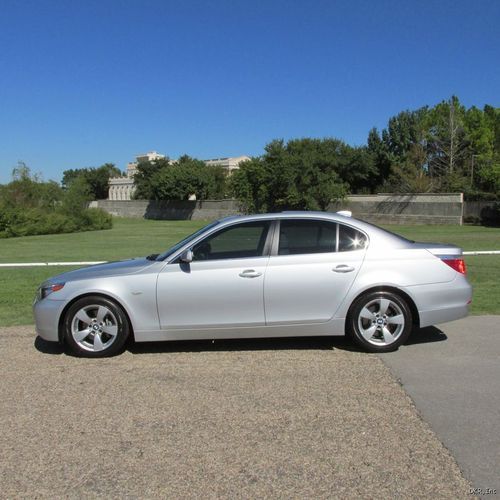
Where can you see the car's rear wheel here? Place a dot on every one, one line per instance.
(379, 321)
(95, 327)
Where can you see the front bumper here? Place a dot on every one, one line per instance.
(47, 313)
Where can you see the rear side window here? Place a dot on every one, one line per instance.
(307, 236)
(350, 239)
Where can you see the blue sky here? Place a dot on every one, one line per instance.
(88, 82)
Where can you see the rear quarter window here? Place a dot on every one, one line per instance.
(351, 239)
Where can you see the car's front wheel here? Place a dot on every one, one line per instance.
(379, 321)
(95, 327)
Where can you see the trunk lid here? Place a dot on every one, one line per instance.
(439, 249)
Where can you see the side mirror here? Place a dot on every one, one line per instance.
(186, 256)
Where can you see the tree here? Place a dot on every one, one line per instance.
(248, 184)
(442, 148)
(381, 158)
(167, 180)
(483, 128)
(96, 178)
(304, 174)
(28, 190)
(145, 177)
(403, 131)
(447, 143)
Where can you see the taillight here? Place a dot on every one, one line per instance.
(457, 264)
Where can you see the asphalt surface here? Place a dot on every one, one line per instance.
(453, 376)
(300, 418)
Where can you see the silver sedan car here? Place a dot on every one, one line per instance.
(273, 275)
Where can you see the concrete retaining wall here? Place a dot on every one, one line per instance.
(380, 208)
(170, 210)
(405, 209)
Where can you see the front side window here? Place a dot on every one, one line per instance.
(307, 236)
(181, 243)
(235, 242)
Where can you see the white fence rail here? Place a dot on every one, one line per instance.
(41, 264)
(483, 252)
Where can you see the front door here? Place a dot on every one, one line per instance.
(223, 286)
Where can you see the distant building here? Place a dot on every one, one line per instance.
(228, 163)
(122, 188)
(151, 156)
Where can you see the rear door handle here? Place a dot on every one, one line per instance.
(249, 273)
(343, 268)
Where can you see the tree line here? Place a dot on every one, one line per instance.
(444, 148)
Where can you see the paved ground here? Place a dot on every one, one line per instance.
(304, 418)
(453, 376)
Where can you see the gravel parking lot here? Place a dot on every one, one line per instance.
(240, 419)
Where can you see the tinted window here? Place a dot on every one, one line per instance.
(235, 242)
(350, 239)
(307, 236)
(181, 243)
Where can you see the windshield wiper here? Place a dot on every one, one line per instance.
(152, 256)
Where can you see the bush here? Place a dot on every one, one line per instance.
(29, 206)
(490, 216)
(96, 218)
(35, 221)
(481, 196)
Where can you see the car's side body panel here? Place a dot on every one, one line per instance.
(136, 294)
(334, 327)
(210, 294)
(308, 288)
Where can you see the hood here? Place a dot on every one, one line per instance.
(118, 268)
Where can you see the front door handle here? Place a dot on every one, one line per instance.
(343, 268)
(250, 273)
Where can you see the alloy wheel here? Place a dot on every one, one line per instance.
(94, 327)
(381, 322)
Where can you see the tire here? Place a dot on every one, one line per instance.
(379, 321)
(95, 327)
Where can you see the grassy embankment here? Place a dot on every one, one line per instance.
(135, 237)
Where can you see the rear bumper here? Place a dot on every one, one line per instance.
(442, 302)
(437, 316)
(47, 313)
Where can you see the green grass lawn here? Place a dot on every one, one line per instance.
(128, 238)
(136, 237)
(466, 237)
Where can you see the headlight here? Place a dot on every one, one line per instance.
(45, 290)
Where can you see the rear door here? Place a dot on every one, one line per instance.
(311, 269)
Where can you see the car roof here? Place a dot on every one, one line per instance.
(376, 234)
(300, 214)
(288, 215)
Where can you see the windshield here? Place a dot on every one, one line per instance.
(181, 243)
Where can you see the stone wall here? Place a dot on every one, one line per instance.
(405, 209)
(380, 208)
(170, 210)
